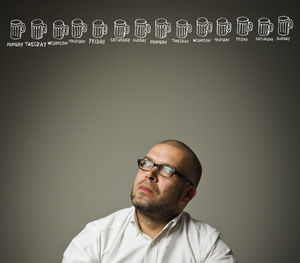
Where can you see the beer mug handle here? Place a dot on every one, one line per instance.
(189, 28)
(44, 28)
(168, 27)
(229, 26)
(84, 27)
(148, 28)
(127, 29)
(105, 28)
(291, 24)
(209, 27)
(271, 27)
(66, 30)
(250, 26)
(23, 28)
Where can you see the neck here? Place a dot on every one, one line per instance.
(149, 225)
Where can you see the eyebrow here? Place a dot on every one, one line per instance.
(150, 159)
(178, 173)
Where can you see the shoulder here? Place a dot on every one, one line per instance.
(111, 221)
(202, 235)
(207, 241)
(197, 226)
(87, 244)
(90, 235)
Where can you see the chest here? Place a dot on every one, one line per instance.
(132, 247)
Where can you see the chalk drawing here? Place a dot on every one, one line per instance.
(162, 28)
(183, 28)
(38, 29)
(60, 29)
(17, 28)
(203, 27)
(141, 28)
(121, 28)
(99, 28)
(285, 24)
(223, 26)
(78, 28)
(265, 26)
(244, 26)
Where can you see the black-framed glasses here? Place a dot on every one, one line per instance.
(162, 169)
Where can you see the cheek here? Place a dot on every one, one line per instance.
(174, 191)
(140, 172)
(139, 177)
(167, 187)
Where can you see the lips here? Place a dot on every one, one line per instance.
(146, 189)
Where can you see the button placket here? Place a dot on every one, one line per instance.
(151, 252)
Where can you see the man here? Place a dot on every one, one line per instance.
(155, 229)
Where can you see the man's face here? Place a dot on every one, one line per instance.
(157, 195)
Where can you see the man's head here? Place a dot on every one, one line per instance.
(160, 197)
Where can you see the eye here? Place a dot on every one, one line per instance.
(167, 169)
(148, 163)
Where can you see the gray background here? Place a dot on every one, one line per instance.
(75, 119)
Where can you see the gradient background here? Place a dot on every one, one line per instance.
(75, 119)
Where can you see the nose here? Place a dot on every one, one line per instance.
(152, 175)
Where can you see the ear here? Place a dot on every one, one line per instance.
(189, 193)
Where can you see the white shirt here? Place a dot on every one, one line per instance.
(118, 238)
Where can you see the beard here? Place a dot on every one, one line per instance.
(157, 211)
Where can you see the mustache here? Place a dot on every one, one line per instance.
(150, 185)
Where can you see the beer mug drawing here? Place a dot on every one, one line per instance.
(284, 25)
(223, 26)
(78, 28)
(121, 29)
(203, 27)
(17, 28)
(162, 28)
(265, 27)
(38, 29)
(99, 28)
(60, 29)
(183, 28)
(141, 28)
(244, 26)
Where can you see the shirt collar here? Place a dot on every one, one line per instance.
(133, 221)
(167, 227)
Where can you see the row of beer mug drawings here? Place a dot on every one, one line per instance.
(142, 28)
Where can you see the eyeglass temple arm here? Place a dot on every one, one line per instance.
(184, 177)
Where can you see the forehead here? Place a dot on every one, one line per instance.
(167, 154)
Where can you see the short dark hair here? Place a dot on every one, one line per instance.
(196, 162)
